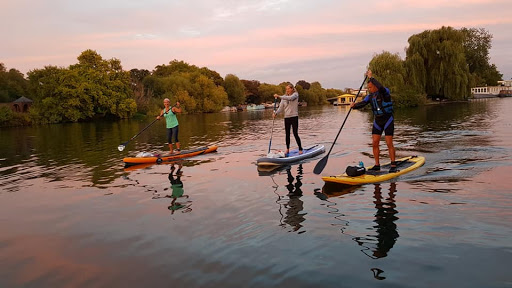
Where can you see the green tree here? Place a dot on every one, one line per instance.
(315, 94)
(206, 95)
(444, 64)
(210, 97)
(174, 66)
(59, 96)
(490, 76)
(142, 95)
(252, 94)
(235, 89)
(188, 102)
(389, 69)
(212, 75)
(331, 92)
(477, 43)
(304, 84)
(92, 87)
(107, 83)
(13, 84)
(188, 81)
(6, 115)
(267, 92)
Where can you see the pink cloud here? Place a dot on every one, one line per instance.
(392, 5)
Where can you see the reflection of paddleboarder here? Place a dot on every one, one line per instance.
(385, 219)
(177, 190)
(295, 205)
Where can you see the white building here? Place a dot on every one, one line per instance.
(491, 90)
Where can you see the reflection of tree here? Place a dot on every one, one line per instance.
(385, 218)
(294, 206)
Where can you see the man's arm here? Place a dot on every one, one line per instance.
(361, 104)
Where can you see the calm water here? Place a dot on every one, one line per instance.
(72, 216)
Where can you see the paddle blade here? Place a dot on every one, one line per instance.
(120, 147)
(321, 165)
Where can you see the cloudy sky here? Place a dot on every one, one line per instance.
(330, 41)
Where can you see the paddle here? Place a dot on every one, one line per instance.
(123, 145)
(321, 164)
(272, 131)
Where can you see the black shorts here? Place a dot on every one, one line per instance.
(384, 124)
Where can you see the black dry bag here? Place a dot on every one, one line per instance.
(353, 171)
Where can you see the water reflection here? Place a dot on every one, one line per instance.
(331, 189)
(178, 191)
(180, 201)
(375, 245)
(271, 170)
(292, 203)
(379, 244)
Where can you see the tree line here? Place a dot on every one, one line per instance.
(441, 63)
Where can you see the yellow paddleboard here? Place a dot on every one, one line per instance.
(404, 165)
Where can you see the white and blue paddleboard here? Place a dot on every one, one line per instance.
(292, 157)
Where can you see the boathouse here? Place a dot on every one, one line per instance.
(21, 104)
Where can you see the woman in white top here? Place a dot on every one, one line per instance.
(290, 105)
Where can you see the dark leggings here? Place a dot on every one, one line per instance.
(294, 123)
(172, 133)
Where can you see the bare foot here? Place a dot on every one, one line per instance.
(300, 152)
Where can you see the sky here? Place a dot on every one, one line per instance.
(272, 41)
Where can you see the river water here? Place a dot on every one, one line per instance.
(72, 216)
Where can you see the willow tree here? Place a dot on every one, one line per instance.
(435, 59)
(390, 70)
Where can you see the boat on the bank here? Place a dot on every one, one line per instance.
(255, 107)
(505, 93)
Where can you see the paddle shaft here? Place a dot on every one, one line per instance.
(124, 144)
(321, 164)
(272, 131)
